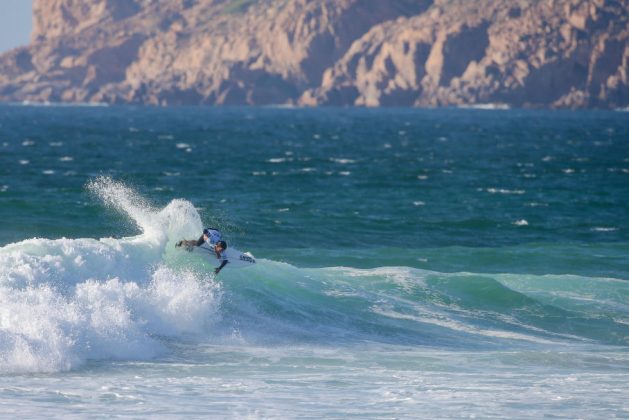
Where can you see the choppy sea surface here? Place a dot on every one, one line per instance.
(410, 263)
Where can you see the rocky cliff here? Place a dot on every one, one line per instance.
(552, 53)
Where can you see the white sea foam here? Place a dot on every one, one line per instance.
(342, 161)
(605, 229)
(184, 146)
(441, 321)
(504, 191)
(65, 301)
(487, 106)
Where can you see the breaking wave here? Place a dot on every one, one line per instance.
(65, 301)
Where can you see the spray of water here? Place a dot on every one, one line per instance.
(66, 301)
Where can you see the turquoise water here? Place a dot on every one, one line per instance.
(411, 263)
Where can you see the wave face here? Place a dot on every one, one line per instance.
(408, 306)
(66, 301)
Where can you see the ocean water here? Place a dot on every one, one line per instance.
(411, 263)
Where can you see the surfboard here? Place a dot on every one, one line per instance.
(236, 258)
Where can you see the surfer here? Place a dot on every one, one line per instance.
(213, 237)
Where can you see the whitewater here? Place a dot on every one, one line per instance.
(66, 301)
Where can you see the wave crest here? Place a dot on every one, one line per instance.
(66, 301)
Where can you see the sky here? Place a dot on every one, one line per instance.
(15, 23)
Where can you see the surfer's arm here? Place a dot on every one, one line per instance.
(188, 245)
(223, 264)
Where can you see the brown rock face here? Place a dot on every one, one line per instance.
(53, 18)
(522, 53)
(554, 53)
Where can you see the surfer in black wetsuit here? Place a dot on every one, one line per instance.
(213, 237)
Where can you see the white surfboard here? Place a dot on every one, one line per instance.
(236, 258)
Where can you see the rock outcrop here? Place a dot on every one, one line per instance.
(543, 53)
